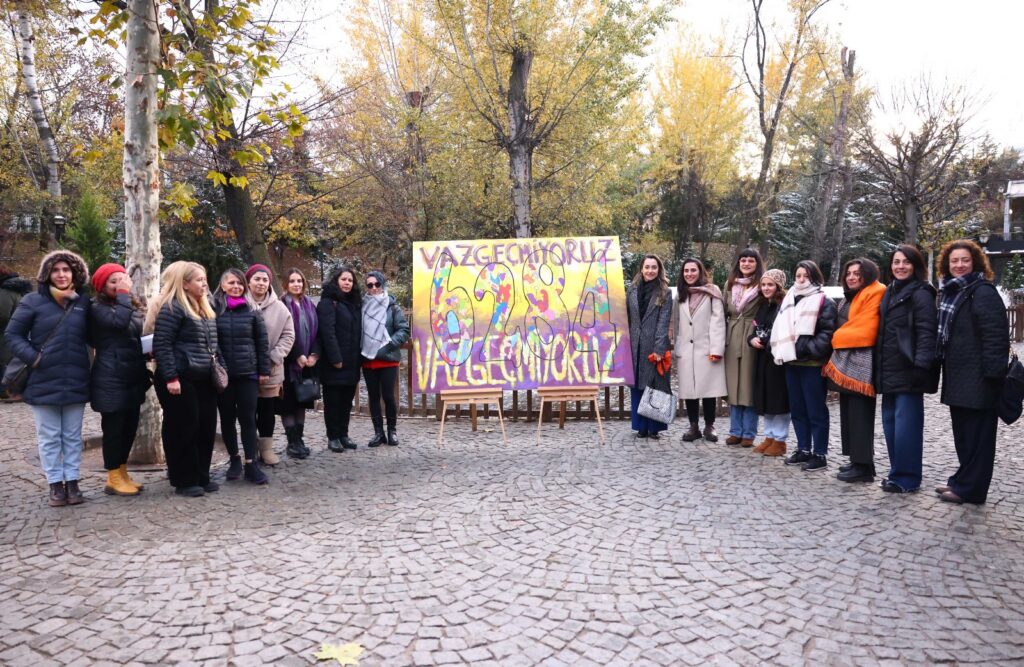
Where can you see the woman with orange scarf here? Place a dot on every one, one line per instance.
(851, 368)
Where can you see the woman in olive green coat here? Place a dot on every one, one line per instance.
(741, 303)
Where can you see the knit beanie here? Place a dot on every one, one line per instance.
(256, 268)
(778, 276)
(102, 274)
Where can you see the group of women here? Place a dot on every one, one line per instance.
(774, 351)
(241, 352)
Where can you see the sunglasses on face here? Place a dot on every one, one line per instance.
(372, 285)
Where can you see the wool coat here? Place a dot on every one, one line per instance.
(975, 359)
(646, 335)
(771, 393)
(119, 375)
(699, 335)
(280, 338)
(340, 328)
(905, 351)
(739, 360)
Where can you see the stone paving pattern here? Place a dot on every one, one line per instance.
(571, 553)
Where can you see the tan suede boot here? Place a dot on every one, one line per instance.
(127, 478)
(267, 454)
(764, 444)
(777, 448)
(117, 485)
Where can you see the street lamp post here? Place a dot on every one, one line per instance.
(59, 223)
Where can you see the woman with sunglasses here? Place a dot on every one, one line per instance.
(385, 330)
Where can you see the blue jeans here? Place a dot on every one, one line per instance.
(59, 431)
(743, 421)
(640, 423)
(776, 427)
(807, 391)
(903, 425)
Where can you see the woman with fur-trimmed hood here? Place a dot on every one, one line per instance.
(49, 333)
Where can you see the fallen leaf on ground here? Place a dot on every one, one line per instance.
(345, 654)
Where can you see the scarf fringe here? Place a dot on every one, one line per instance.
(832, 373)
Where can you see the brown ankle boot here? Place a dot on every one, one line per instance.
(777, 448)
(764, 444)
(747, 442)
(693, 433)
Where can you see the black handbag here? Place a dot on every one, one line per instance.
(16, 375)
(1011, 398)
(307, 389)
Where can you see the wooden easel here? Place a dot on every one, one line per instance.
(474, 397)
(565, 394)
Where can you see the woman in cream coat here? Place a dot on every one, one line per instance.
(699, 344)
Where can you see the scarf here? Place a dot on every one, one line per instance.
(795, 319)
(375, 330)
(698, 294)
(951, 294)
(743, 292)
(233, 302)
(647, 289)
(304, 317)
(62, 296)
(852, 363)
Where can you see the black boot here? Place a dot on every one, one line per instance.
(234, 468)
(302, 443)
(294, 449)
(75, 496)
(378, 437)
(254, 474)
(58, 495)
(348, 443)
(335, 446)
(392, 436)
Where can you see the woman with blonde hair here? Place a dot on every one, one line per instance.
(184, 330)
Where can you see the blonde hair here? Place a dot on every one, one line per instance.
(172, 288)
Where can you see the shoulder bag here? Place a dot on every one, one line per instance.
(16, 374)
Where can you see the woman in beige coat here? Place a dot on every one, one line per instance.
(280, 336)
(699, 343)
(742, 301)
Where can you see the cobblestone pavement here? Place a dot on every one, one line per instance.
(571, 553)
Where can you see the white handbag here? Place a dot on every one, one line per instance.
(658, 405)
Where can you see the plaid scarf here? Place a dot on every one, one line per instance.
(951, 294)
(795, 319)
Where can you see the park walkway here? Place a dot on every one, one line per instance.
(571, 553)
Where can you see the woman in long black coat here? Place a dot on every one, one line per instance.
(340, 327)
(973, 344)
(771, 395)
(649, 307)
(119, 375)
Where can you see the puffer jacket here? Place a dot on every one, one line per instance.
(119, 375)
(340, 328)
(905, 351)
(817, 349)
(242, 336)
(398, 329)
(974, 363)
(183, 346)
(62, 376)
(12, 289)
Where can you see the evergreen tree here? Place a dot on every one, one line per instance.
(1013, 274)
(89, 234)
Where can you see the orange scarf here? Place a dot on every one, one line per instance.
(861, 330)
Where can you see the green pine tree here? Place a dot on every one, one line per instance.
(89, 234)
(1013, 274)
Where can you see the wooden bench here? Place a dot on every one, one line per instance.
(472, 397)
(566, 394)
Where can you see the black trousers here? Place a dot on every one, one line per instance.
(857, 428)
(119, 430)
(338, 409)
(238, 403)
(693, 407)
(381, 383)
(974, 435)
(265, 415)
(189, 427)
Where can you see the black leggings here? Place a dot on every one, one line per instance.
(238, 402)
(265, 416)
(693, 407)
(338, 409)
(381, 382)
(189, 427)
(118, 436)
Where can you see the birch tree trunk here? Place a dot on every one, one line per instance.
(520, 141)
(837, 148)
(142, 190)
(51, 165)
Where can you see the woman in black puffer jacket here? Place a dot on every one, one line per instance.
(904, 361)
(243, 342)
(119, 375)
(184, 330)
(340, 327)
(973, 342)
(48, 332)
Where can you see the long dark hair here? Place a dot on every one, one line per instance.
(736, 274)
(813, 272)
(682, 287)
(913, 256)
(662, 279)
(331, 285)
(868, 273)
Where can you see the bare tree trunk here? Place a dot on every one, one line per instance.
(51, 167)
(240, 208)
(844, 200)
(837, 148)
(142, 190)
(911, 218)
(520, 141)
